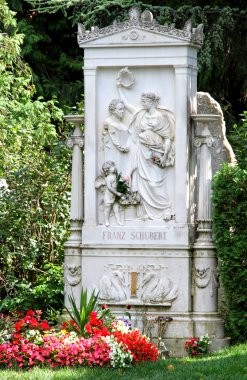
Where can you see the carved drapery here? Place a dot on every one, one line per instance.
(203, 277)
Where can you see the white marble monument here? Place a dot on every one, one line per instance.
(143, 237)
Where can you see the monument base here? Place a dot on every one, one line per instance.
(174, 329)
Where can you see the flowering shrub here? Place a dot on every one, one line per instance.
(30, 341)
(23, 327)
(139, 345)
(56, 352)
(197, 346)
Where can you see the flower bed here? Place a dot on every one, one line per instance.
(197, 346)
(28, 341)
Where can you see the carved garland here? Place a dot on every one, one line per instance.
(121, 148)
(202, 278)
(72, 274)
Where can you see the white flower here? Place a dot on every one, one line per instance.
(120, 356)
(121, 326)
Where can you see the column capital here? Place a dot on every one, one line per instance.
(208, 140)
(75, 140)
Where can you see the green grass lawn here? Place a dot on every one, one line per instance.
(228, 364)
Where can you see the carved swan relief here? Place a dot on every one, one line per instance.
(112, 288)
(158, 290)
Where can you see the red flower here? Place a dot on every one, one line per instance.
(104, 307)
(17, 336)
(30, 313)
(93, 314)
(141, 349)
(33, 322)
(17, 326)
(44, 325)
(88, 329)
(65, 325)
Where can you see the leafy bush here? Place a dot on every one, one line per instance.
(238, 139)
(80, 316)
(230, 233)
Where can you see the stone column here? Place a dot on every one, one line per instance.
(72, 259)
(204, 268)
(204, 271)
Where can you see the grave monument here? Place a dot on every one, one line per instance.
(141, 212)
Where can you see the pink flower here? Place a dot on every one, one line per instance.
(126, 178)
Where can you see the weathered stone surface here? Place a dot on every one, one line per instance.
(221, 150)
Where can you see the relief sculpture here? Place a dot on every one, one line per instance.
(158, 289)
(72, 274)
(112, 288)
(114, 191)
(202, 277)
(143, 150)
(146, 284)
(115, 132)
(153, 127)
(107, 181)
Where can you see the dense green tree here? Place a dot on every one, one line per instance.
(34, 164)
(51, 50)
(230, 213)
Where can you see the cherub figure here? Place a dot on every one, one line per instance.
(115, 131)
(108, 180)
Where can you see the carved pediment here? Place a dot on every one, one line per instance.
(139, 29)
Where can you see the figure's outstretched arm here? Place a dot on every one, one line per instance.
(122, 96)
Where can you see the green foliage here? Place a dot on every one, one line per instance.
(122, 185)
(34, 162)
(80, 316)
(229, 228)
(238, 140)
(45, 294)
(50, 48)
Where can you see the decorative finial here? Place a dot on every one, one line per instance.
(198, 32)
(134, 14)
(81, 29)
(147, 16)
(188, 26)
